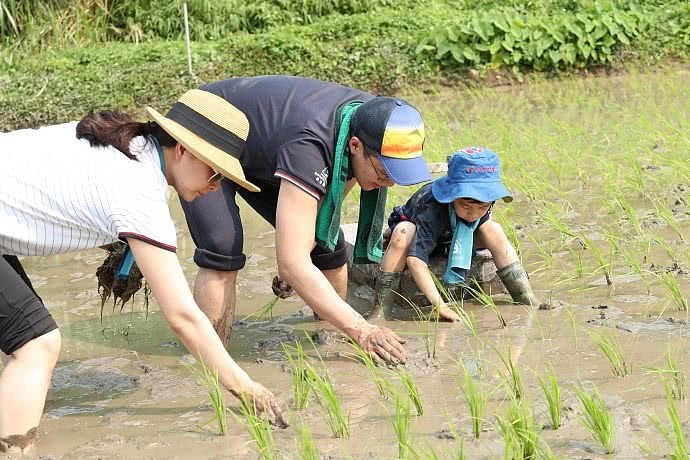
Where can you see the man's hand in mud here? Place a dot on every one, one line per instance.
(383, 345)
(281, 288)
(264, 401)
(446, 313)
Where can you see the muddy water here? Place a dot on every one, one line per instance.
(121, 390)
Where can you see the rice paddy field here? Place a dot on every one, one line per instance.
(600, 171)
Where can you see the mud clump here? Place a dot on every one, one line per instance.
(109, 284)
(18, 443)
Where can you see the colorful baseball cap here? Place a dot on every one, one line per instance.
(395, 130)
(473, 172)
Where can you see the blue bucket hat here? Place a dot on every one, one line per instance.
(473, 172)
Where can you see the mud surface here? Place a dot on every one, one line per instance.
(121, 389)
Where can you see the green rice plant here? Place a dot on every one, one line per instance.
(596, 417)
(673, 377)
(677, 296)
(666, 214)
(674, 434)
(209, 379)
(520, 434)
(629, 211)
(668, 249)
(401, 426)
(412, 390)
(631, 257)
(467, 319)
(552, 394)
(428, 324)
(610, 347)
(485, 299)
(511, 375)
(382, 385)
(604, 264)
(267, 309)
(338, 423)
(578, 261)
(259, 429)
(306, 446)
(301, 375)
(476, 401)
(503, 218)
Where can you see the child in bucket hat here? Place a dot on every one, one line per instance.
(454, 209)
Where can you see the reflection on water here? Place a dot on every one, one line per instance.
(120, 386)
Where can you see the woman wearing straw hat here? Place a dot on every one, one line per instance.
(310, 142)
(62, 191)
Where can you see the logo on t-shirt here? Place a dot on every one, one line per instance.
(321, 177)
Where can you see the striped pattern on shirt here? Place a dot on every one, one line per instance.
(58, 194)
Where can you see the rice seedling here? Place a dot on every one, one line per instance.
(467, 319)
(677, 296)
(478, 293)
(552, 394)
(674, 434)
(476, 401)
(578, 261)
(596, 417)
(338, 423)
(259, 429)
(631, 257)
(503, 218)
(668, 249)
(412, 390)
(428, 324)
(666, 214)
(267, 309)
(511, 376)
(306, 446)
(401, 426)
(520, 434)
(383, 386)
(673, 377)
(610, 347)
(301, 375)
(209, 379)
(628, 209)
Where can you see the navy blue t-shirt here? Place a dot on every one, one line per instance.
(431, 220)
(292, 128)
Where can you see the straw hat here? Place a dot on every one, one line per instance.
(212, 129)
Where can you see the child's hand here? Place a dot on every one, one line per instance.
(446, 313)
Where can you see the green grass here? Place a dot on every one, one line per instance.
(552, 396)
(596, 417)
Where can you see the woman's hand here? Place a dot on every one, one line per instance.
(383, 345)
(264, 401)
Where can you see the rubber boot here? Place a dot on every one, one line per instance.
(515, 280)
(387, 285)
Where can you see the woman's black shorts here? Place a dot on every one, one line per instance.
(23, 317)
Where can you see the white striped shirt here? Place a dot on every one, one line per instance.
(58, 194)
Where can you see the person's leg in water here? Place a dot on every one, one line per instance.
(30, 337)
(216, 228)
(490, 235)
(392, 266)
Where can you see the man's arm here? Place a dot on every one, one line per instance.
(295, 224)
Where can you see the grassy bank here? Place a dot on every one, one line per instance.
(376, 48)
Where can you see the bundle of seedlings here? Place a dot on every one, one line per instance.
(112, 285)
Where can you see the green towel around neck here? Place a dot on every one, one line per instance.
(372, 203)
